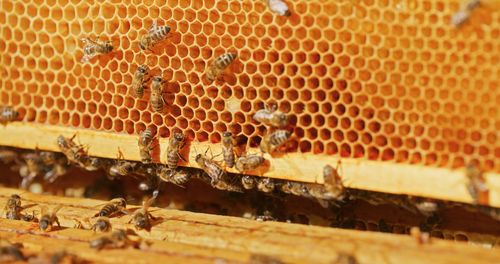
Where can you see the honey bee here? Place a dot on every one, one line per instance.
(177, 177)
(272, 141)
(48, 219)
(218, 177)
(333, 182)
(75, 153)
(156, 99)
(228, 149)
(7, 114)
(420, 237)
(121, 167)
(271, 117)
(248, 182)
(141, 217)
(295, 188)
(102, 224)
(13, 207)
(138, 83)
(279, 7)
(94, 164)
(33, 167)
(462, 15)
(249, 162)
(215, 69)
(113, 207)
(476, 186)
(145, 142)
(266, 185)
(117, 239)
(95, 47)
(10, 252)
(155, 34)
(175, 143)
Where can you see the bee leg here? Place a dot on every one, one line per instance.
(57, 222)
(181, 157)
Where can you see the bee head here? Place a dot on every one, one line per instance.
(198, 158)
(157, 79)
(44, 224)
(227, 134)
(61, 142)
(141, 223)
(142, 69)
(178, 137)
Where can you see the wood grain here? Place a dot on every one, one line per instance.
(388, 177)
(194, 237)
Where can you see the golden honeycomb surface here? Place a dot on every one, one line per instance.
(375, 80)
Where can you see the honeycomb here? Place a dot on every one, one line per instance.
(387, 80)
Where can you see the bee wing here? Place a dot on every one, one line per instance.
(43, 210)
(153, 27)
(56, 209)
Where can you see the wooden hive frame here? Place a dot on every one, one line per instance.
(200, 238)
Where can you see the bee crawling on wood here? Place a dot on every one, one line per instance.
(175, 143)
(75, 153)
(113, 207)
(249, 162)
(271, 117)
(101, 224)
(156, 98)
(139, 81)
(154, 36)
(141, 217)
(266, 185)
(121, 167)
(11, 252)
(13, 207)
(216, 68)
(48, 219)
(117, 239)
(145, 145)
(95, 47)
(333, 182)
(271, 141)
(177, 177)
(8, 114)
(295, 188)
(248, 182)
(218, 177)
(279, 7)
(228, 149)
(476, 185)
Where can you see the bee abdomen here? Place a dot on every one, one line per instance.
(225, 60)
(279, 137)
(107, 210)
(228, 157)
(172, 159)
(161, 33)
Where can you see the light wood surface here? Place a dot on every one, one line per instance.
(385, 177)
(194, 237)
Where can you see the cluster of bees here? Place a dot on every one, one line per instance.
(46, 221)
(12, 253)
